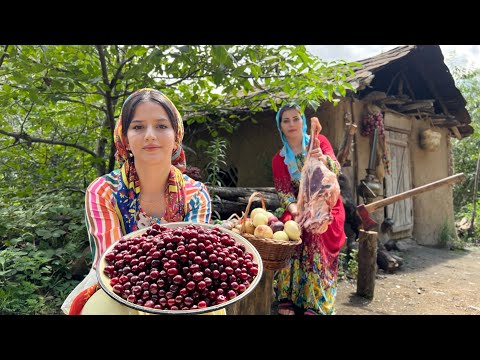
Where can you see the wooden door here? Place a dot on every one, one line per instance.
(399, 181)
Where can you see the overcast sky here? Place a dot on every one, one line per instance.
(461, 55)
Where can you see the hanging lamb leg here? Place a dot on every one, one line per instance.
(319, 189)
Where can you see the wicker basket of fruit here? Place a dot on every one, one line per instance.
(180, 268)
(267, 234)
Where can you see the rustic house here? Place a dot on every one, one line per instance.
(409, 96)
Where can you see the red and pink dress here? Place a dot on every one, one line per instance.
(310, 281)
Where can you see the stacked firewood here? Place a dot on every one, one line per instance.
(229, 200)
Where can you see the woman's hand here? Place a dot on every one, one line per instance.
(293, 209)
(317, 153)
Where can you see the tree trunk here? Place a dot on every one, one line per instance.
(474, 200)
(367, 263)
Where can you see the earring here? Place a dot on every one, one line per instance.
(129, 152)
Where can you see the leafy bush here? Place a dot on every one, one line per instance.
(465, 151)
(449, 238)
(348, 264)
(40, 238)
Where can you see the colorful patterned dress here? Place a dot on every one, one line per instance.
(310, 282)
(113, 210)
(112, 205)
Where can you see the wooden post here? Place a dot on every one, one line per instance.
(367, 263)
(259, 301)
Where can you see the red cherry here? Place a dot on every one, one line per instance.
(178, 279)
(190, 285)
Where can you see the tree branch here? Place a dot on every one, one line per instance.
(83, 103)
(109, 122)
(117, 73)
(9, 146)
(65, 187)
(4, 55)
(26, 117)
(30, 139)
(189, 75)
(227, 73)
(103, 64)
(52, 68)
(26, 87)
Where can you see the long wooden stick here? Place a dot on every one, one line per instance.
(421, 189)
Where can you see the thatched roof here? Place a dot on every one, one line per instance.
(416, 74)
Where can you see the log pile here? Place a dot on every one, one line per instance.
(386, 261)
(229, 200)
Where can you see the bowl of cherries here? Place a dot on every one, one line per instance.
(180, 268)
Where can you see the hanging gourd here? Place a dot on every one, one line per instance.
(430, 140)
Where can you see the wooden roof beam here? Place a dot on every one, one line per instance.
(435, 93)
(456, 132)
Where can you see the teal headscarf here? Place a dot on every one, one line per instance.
(287, 151)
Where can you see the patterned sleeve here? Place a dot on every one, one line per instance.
(282, 182)
(199, 204)
(332, 162)
(103, 225)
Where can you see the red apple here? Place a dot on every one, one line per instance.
(272, 219)
(286, 216)
(276, 226)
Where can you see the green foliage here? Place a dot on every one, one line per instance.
(352, 264)
(216, 151)
(60, 104)
(40, 238)
(465, 151)
(448, 237)
(465, 212)
(348, 264)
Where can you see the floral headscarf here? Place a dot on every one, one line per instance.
(127, 196)
(287, 151)
(121, 142)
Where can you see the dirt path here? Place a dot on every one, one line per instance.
(430, 282)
